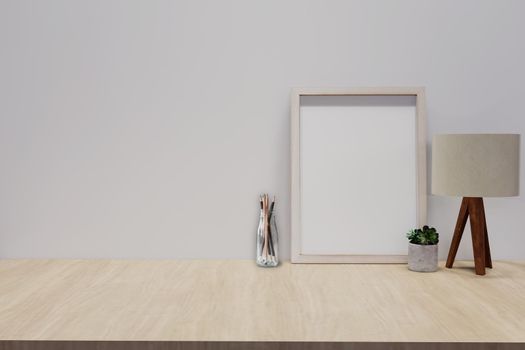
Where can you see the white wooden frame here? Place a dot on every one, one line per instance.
(421, 186)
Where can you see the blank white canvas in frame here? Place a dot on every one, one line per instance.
(358, 174)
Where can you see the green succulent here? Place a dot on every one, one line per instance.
(424, 236)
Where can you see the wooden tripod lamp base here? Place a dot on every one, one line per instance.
(472, 207)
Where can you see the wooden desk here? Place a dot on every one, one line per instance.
(209, 302)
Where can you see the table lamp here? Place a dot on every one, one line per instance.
(474, 166)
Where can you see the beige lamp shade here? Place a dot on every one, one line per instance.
(476, 165)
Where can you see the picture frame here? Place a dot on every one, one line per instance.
(358, 173)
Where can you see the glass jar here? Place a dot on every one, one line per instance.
(267, 241)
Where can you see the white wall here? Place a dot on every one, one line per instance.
(147, 129)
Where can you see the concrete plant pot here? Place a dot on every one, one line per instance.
(422, 258)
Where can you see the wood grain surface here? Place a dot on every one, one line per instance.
(102, 300)
(177, 345)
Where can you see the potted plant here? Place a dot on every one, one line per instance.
(423, 249)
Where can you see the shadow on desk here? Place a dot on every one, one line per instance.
(188, 345)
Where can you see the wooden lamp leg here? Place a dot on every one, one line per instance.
(473, 207)
(458, 232)
(488, 259)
